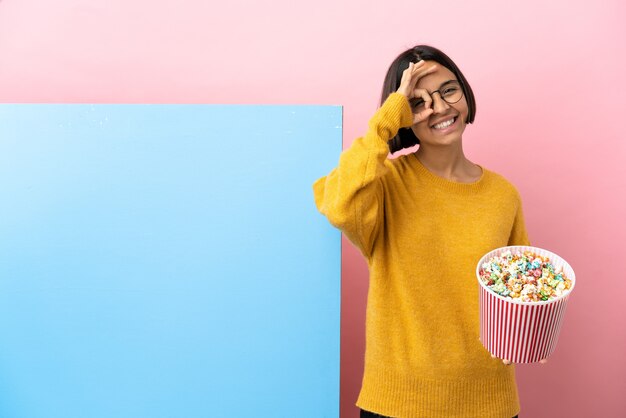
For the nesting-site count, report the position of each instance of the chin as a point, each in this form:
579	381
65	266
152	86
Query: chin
442	141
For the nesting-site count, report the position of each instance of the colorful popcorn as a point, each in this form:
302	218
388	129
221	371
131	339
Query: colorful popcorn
526	277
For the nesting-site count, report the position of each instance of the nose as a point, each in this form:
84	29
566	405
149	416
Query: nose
439	105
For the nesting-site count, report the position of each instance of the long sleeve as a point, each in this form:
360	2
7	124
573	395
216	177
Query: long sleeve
351	195
519	236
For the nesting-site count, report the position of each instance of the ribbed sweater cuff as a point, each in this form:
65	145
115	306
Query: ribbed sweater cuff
397	106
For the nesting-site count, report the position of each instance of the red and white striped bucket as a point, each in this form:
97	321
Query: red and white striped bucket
522	332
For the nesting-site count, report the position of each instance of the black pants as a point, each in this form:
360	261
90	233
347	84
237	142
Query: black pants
368	414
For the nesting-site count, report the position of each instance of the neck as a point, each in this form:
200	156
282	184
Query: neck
448	161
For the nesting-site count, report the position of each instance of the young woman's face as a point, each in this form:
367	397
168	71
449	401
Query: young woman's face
444	85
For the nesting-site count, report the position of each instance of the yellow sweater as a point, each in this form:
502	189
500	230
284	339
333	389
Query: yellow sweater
422	236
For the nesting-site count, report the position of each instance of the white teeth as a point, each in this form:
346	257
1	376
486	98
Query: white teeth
444	124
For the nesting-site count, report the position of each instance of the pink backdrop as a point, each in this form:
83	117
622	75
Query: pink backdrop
548	78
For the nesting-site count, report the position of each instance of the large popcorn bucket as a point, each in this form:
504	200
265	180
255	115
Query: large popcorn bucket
522	332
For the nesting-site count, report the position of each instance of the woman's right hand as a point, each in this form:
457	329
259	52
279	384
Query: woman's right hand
409	80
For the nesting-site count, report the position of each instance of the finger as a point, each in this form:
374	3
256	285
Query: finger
493	356
419	72
416	71
431	68
507	362
407	82
418	64
424	95
406	74
422	112
412	68
543	361
421	116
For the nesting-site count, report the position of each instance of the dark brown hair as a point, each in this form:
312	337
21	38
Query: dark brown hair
406	138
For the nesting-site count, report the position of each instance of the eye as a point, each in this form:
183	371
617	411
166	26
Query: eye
416	103
450	90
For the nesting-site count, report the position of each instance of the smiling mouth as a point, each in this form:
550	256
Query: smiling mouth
444	124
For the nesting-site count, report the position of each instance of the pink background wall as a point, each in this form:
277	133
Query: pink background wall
549	83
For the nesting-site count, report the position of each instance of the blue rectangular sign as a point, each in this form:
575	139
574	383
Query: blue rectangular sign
167	261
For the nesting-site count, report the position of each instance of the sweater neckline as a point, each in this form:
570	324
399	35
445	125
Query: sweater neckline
451	185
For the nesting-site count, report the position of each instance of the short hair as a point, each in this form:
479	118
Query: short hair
405	137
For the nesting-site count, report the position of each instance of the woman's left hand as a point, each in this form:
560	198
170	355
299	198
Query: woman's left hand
508	362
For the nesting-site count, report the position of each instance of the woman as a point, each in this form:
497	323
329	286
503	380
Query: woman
423	220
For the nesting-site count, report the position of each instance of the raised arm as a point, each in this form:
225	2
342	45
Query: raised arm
351	195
